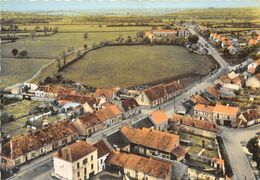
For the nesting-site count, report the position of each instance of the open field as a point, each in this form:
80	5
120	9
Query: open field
87	28
126	66
18	70
52	46
222	15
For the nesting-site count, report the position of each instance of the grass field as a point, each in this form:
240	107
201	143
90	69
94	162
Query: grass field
126	66
219	15
18	70
52	46
87	28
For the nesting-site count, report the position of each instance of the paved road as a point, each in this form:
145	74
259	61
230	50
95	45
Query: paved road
238	160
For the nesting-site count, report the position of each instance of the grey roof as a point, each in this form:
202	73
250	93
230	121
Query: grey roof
118	139
146	122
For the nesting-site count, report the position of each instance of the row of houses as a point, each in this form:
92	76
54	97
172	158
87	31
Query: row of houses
166	32
156	95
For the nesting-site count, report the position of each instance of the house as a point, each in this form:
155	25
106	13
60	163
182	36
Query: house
252	67
160	120
76	161
164	32
158	94
25	147
232	81
248	118
199	99
138	167
88	124
213	93
118	141
88	103
254	41
233	49
130	107
226	43
52	91
72	109
110	114
220	114
203	112
195	126
102	154
254	81
150	142
149	35
105	93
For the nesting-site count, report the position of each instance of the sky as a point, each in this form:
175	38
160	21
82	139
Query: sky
56	5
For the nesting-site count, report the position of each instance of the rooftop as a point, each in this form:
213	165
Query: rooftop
110	111
226	109
150	166
146	122
204	108
33	141
89	120
189	121
129	104
75	151
102	148
82	99
159	116
108	93
151	138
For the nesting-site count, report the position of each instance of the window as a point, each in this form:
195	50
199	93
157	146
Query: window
85	161
91	157
78	173
33	155
128	174
17	162
163	156
85	171
3	160
78	165
92	166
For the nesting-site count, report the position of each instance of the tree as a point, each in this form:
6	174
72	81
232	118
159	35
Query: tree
252	146
85	46
85	35
23	54
55	29
140	34
14	52
63	55
45	30
193	39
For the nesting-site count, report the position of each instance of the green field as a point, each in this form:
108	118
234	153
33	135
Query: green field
87	28
18	70
52	46
126	66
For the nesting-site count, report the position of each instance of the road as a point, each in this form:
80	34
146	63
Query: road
238	160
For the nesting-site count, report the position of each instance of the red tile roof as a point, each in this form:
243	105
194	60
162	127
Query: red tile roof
108	93
75	151
110	111
129	104
28	142
82	99
159	117
151	138
189	121
150	166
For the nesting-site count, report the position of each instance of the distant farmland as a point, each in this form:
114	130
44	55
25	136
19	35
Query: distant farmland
126	66
52	46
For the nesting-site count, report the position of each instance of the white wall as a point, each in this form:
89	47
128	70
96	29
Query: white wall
62	168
